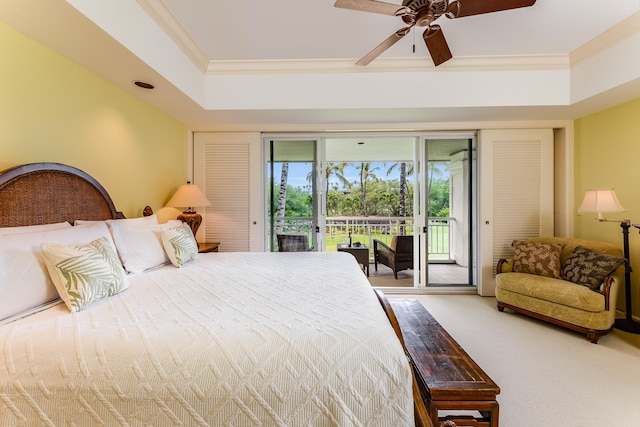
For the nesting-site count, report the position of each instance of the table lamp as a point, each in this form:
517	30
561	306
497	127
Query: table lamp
189	196
606	201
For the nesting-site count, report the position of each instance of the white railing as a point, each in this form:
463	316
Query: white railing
365	229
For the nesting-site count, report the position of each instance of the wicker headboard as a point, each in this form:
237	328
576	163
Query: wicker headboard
46	193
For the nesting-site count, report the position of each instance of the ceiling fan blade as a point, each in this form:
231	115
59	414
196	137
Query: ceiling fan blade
386	44
478	7
374	7
437	45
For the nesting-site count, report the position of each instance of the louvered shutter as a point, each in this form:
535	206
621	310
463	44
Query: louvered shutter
516	193
226	167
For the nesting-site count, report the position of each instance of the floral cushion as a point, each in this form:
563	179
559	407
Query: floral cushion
589	268
542	259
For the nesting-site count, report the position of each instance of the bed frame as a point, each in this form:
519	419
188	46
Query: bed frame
47	193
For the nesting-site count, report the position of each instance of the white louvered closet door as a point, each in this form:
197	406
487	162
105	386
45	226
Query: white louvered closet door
516	194
227	167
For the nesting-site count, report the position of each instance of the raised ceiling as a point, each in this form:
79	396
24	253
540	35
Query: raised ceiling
289	64
315	29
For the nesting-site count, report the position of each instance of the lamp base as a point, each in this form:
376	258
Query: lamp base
627	325
193	220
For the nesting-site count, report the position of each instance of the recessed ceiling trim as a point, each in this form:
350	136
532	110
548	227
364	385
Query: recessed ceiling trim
624	29
306	66
160	13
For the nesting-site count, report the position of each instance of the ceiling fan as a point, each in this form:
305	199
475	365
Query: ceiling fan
422	13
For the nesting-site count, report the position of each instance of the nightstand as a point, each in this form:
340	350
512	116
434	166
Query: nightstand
208	247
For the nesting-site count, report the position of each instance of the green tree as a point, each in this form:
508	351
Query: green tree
404	173
299	202
367	174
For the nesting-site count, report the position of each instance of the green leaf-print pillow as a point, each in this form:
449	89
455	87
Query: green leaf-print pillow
179	244
83	274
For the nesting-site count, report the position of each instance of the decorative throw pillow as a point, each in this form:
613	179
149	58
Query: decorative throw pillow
179	244
83	274
589	268
542	259
25	283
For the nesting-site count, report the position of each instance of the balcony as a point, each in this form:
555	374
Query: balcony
365	229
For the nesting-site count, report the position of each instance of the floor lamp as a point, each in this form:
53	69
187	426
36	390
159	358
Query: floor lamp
606	201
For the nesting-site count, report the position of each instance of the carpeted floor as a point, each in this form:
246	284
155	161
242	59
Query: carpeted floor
549	376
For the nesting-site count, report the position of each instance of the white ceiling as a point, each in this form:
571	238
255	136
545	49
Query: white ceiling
315	29
306	33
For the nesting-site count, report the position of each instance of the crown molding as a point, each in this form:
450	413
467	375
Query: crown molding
380	65
615	34
160	13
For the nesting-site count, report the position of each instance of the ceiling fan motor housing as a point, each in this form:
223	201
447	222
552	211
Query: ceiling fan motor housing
426	11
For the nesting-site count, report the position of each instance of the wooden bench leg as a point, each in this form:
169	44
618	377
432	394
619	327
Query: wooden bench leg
489	413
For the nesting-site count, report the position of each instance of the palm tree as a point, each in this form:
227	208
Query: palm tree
434	172
282	197
366	174
337	169
404	172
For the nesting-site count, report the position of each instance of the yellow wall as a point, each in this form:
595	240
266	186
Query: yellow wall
53	110
606	156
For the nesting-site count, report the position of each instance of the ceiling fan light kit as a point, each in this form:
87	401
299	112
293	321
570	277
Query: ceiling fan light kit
422	13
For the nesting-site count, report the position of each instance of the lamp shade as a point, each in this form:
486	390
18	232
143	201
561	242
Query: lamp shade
601	201
188	196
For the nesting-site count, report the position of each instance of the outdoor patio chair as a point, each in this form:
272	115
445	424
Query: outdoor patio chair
398	255
293	243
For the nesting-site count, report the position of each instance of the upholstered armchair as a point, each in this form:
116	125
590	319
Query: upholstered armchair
398	255
293	243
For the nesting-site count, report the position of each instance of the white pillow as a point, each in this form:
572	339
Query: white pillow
179	244
84	274
138	242
31	228
87	221
24	281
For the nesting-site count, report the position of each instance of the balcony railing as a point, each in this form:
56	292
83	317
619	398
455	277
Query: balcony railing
365	229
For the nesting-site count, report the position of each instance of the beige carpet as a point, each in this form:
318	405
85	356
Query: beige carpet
549	376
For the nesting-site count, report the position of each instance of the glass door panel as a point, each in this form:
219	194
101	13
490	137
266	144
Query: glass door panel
370	201
292	203
449	182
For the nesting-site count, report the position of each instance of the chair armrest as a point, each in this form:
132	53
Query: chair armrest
605	290
382	244
504	265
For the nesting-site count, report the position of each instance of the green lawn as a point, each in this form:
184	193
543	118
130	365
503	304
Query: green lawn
332	242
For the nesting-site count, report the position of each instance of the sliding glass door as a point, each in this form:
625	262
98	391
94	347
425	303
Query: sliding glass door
399	192
450	188
292	208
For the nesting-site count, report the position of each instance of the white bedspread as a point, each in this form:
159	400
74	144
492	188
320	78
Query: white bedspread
231	339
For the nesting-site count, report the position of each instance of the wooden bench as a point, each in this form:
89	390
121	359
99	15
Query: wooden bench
448	379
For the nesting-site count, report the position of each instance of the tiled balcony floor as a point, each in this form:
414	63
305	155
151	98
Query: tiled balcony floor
439	275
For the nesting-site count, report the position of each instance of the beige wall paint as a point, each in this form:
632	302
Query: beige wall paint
53	110
606	156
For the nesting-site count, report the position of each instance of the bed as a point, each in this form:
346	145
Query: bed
226	339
